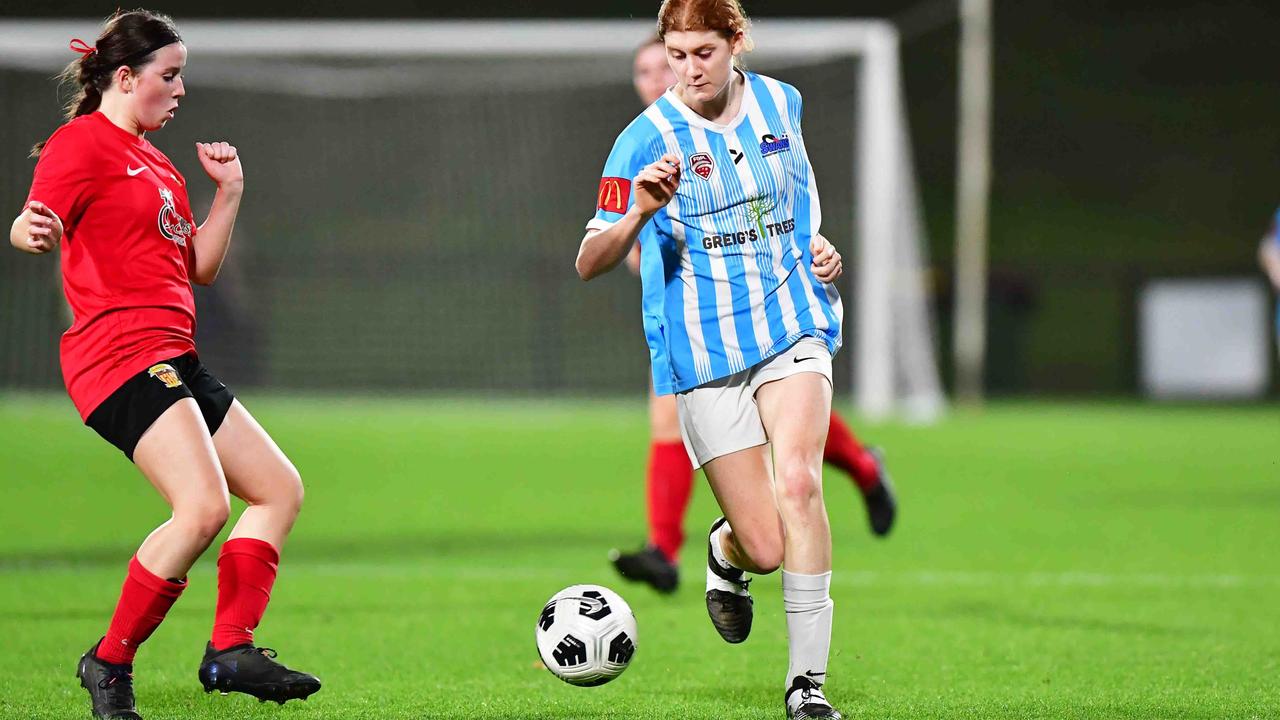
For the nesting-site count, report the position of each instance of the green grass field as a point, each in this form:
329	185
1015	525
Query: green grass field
1051	561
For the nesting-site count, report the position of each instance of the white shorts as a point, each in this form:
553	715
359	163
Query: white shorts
721	417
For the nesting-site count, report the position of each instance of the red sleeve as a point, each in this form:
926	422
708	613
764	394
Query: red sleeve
64	175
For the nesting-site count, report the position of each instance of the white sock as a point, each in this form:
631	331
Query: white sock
714	581
717	549
807	600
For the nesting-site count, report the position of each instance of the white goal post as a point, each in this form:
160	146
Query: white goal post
895	366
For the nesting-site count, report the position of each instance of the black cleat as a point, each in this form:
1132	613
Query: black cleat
882	504
728	601
647	565
810	704
110	686
253	671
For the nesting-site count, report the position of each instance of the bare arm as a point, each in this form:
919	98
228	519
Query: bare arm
222	163
36	230
602	250
1269	258
633	260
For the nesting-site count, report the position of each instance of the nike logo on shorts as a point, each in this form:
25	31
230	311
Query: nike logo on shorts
800	360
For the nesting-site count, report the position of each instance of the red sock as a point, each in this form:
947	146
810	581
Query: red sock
669	485
845	452
144	601
246	572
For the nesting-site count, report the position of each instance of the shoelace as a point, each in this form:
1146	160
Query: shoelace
270	655
807	695
120	685
728	603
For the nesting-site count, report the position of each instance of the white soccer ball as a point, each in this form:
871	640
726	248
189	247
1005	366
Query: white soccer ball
586	635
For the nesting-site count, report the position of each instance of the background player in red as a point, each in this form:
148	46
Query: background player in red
118	210
669	482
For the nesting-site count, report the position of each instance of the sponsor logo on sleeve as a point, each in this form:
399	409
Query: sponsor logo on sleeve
614	194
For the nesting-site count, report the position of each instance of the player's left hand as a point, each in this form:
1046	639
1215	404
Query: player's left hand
221	162
827	264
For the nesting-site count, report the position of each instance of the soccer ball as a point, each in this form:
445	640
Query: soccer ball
586	635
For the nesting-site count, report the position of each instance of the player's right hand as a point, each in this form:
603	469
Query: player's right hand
44	229
656	183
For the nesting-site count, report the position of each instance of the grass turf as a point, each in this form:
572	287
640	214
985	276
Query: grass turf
1051	561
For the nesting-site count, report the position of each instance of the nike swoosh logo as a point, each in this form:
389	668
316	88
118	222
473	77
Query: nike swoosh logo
134	173
800	360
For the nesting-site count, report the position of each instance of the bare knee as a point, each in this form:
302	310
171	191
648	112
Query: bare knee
799	486
284	494
293	491
203	518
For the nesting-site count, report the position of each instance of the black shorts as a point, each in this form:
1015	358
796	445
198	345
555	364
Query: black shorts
126	414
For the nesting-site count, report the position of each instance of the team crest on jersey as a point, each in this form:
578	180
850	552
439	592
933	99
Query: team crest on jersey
771	145
702	165
172	225
165	374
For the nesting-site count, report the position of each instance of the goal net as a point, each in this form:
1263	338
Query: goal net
416	191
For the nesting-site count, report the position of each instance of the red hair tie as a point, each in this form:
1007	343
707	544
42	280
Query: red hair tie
82	47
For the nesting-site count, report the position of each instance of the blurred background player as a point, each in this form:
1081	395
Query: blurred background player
119	211
1269	258
669	482
740	315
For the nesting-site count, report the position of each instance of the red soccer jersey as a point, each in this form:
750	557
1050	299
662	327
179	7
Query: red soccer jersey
126	254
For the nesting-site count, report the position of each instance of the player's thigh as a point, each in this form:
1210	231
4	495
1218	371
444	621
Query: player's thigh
257	470
742	482
177	456
796	412
793	396
664	420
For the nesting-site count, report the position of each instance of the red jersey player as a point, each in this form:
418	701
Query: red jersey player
670	476
130	249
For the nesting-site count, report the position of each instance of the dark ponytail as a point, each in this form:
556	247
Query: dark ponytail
128	39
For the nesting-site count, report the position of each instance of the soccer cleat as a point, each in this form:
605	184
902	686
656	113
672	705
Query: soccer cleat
882	504
253	671
647	565
110	686
805	701
728	601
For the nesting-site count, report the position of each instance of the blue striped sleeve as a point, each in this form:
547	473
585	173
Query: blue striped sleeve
615	195
795	105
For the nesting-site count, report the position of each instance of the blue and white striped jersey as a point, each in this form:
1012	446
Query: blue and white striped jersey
725	266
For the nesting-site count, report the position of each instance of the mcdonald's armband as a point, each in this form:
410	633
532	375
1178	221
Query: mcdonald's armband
615	194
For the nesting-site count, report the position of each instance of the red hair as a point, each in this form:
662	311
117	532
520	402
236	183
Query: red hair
725	17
